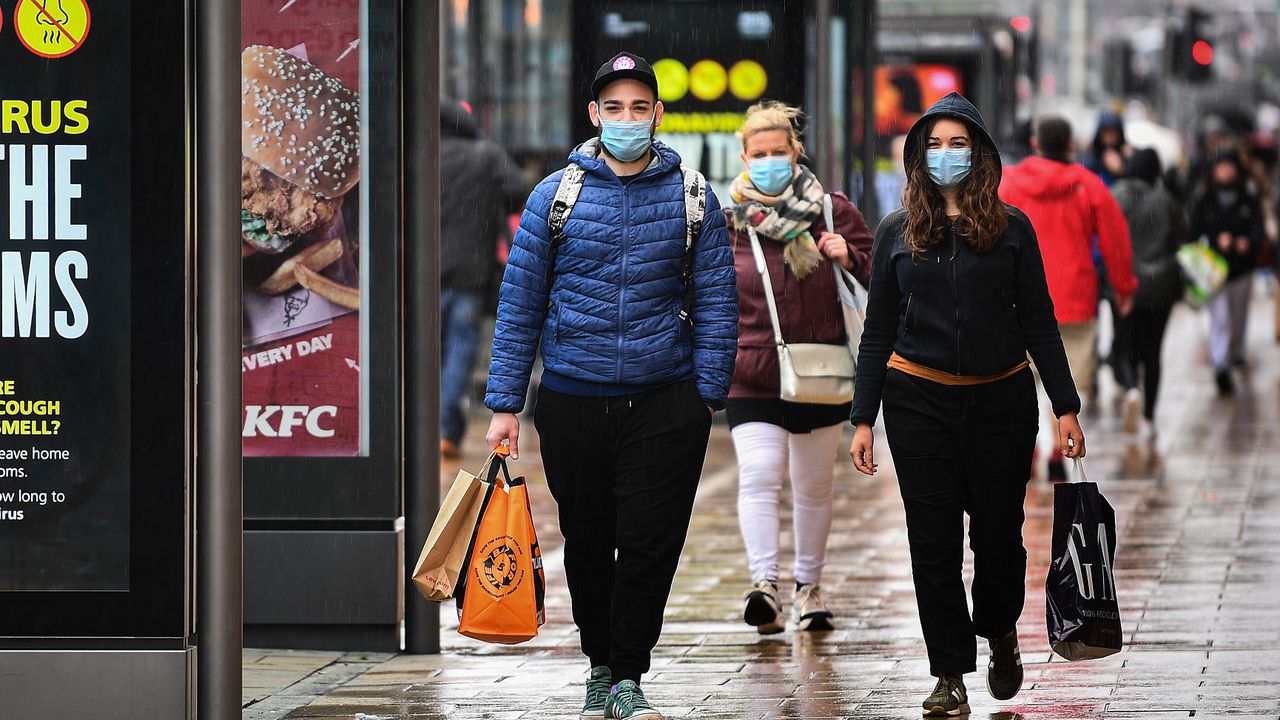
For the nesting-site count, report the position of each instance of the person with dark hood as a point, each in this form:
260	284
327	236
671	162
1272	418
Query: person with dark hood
958	298
1157	228
479	186
1109	151
1226	215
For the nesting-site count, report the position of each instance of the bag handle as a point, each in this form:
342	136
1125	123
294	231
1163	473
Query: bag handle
826	212
497	462
758	252
1079	466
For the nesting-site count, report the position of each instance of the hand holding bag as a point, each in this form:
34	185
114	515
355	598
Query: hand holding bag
436	574
1081	608
810	372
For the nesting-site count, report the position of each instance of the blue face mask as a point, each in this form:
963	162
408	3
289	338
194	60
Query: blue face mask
626	140
771	175
948	167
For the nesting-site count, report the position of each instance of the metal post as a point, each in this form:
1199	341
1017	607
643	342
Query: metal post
219	508
870	57
421	214
822	111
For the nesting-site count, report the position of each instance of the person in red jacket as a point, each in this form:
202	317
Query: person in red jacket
781	202
1069	206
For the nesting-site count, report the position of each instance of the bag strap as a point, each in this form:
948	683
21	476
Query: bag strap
758	252
497	462
1079	466
566	197
826	212
695	208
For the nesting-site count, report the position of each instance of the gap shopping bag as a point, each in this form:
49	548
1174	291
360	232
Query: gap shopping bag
442	556
500	599
1080	591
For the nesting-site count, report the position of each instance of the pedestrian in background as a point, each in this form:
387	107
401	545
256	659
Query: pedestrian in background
958	298
1069	206
479	186
1158	227
1226	215
1109	152
781	201
630	383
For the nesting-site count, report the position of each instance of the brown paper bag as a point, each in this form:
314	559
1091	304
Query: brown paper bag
436	574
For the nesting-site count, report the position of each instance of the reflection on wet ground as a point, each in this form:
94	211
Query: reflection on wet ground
1198	572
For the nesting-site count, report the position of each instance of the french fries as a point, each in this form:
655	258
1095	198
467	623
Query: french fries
347	297
316	258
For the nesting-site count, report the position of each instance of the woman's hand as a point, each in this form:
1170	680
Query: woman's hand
1070	436
834	247
861	450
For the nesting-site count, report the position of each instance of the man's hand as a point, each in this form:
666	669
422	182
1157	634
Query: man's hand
834	247
1124	305
504	426
1070	436
861	450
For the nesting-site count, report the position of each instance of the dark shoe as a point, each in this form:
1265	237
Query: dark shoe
764	609
598	686
627	702
1057	470
948	699
1225	386
1004	671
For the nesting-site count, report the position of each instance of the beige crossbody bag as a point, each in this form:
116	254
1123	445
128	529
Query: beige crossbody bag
810	372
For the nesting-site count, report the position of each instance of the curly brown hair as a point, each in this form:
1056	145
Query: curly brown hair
983	217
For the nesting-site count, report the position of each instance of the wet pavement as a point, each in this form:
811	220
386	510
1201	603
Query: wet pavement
1198	572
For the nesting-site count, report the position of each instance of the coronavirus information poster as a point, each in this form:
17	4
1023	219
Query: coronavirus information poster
66	234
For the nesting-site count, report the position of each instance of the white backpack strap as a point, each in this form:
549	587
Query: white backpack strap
695	209
566	197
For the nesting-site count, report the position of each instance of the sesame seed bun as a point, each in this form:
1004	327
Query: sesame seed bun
298	122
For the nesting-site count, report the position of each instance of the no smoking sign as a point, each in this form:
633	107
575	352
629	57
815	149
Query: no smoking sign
52	28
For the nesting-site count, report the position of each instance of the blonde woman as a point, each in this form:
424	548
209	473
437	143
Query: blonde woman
782	201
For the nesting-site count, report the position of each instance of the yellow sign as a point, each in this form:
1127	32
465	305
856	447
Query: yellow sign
707	80
673	79
52	28
747	80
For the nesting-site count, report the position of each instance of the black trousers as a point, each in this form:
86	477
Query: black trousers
1139	340
624	472
963	450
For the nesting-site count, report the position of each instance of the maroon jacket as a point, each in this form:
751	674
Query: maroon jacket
809	310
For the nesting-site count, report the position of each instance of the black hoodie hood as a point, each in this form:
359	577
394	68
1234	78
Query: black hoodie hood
456	121
953	106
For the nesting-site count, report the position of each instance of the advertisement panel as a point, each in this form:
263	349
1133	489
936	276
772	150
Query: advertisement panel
305	262
66	237
709	72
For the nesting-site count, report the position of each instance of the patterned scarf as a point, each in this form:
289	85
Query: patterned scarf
784	218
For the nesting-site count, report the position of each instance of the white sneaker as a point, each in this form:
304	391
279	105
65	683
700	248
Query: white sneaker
1132	409
809	610
764	609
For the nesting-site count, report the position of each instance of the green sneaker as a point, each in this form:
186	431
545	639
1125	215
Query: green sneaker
948	699
598	685
627	702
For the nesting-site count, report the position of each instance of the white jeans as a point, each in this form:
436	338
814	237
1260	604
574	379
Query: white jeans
763	451
1228	320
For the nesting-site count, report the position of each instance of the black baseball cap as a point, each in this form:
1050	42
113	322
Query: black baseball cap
621	66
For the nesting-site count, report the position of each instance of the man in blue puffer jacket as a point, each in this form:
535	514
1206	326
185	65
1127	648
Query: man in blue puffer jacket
625	403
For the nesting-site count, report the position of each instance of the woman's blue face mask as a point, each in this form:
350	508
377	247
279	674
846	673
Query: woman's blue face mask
948	167
771	175
626	140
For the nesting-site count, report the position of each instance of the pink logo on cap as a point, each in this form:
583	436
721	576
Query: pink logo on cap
624	63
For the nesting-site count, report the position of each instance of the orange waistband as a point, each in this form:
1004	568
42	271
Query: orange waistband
901	364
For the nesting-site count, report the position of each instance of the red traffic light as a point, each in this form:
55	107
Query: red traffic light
1021	23
1202	52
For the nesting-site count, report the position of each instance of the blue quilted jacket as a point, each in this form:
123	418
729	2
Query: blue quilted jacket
613	317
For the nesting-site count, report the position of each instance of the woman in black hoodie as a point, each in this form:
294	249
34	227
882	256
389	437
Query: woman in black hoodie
957	300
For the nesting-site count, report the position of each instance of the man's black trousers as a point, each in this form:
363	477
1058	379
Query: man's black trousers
963	450
624	471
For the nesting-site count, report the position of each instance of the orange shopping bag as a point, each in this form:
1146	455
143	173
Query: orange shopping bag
500	596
